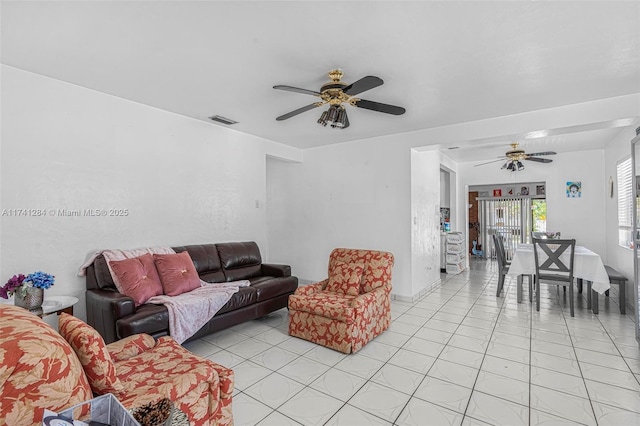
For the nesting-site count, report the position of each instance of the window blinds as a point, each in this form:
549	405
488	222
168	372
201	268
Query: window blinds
508	218
625	194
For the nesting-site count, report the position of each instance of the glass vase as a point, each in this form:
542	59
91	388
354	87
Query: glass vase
31	299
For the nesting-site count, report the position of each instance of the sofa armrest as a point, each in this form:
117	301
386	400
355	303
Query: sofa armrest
130	346
366	299
104	308
274	270
308	290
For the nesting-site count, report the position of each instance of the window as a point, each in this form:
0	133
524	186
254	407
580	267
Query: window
625	203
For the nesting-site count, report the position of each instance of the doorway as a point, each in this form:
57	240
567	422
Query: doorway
512	220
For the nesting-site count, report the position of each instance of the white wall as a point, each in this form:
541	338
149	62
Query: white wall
580	218
181	180
425	221
620	258
353	195
445	186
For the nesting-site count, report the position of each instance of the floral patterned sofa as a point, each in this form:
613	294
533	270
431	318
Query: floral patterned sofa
349	308
40	369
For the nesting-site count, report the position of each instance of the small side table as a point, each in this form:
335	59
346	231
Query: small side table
57	305
53	305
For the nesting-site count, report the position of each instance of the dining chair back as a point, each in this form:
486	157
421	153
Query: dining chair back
553	266
503	266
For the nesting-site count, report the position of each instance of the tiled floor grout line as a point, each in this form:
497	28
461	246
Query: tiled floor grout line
618	349
506	289
534	304
593	411
412	336
427	372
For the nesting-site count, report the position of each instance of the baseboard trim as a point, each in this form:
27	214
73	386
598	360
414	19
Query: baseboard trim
419	295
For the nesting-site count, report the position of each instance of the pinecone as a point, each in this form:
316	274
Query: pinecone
153	413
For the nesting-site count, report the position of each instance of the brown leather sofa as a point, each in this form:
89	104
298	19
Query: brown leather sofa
115	315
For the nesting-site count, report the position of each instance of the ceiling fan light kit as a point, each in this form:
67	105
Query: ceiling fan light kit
515	156
336	116
336	94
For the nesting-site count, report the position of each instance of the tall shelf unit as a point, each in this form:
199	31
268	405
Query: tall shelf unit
455	252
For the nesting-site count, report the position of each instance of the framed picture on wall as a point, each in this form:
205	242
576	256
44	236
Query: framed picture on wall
524	190
497	192
540	190
574	189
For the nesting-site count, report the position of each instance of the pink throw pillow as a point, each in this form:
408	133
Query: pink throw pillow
177	273
138	277
345	278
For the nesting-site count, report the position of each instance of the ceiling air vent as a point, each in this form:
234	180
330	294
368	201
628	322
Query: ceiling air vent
221	119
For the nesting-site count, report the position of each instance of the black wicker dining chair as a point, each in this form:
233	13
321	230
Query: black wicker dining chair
551	268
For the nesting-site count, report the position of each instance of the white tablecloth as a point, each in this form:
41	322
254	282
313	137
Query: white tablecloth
586	265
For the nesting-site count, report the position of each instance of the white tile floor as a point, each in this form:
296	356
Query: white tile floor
458	356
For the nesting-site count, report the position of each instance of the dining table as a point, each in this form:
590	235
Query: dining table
587	266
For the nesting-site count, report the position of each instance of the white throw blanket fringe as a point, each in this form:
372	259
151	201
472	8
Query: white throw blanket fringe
188	312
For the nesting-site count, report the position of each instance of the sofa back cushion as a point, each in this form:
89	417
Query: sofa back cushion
92	352
138	277
377	265
206	261
38	369
177	273
240	261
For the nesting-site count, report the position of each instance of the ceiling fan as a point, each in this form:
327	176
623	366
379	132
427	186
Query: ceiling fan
336	94
515	156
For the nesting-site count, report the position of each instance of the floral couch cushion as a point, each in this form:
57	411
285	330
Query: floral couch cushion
377	265
345	278
38	369
327	304
92	352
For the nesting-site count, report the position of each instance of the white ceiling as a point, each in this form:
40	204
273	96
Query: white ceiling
446	62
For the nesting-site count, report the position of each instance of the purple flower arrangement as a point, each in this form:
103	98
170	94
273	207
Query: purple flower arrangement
20	283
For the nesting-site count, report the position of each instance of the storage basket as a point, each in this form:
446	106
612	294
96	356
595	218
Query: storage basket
103	409
454	268
455	237
455	248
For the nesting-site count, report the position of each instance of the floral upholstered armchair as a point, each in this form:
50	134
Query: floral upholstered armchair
139	370
349	308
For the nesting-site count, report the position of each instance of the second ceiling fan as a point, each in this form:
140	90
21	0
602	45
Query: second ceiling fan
336	93
515	156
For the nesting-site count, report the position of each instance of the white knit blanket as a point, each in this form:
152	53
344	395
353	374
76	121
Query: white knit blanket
188	312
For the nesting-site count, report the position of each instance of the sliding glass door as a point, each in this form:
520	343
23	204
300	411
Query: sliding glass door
512	219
